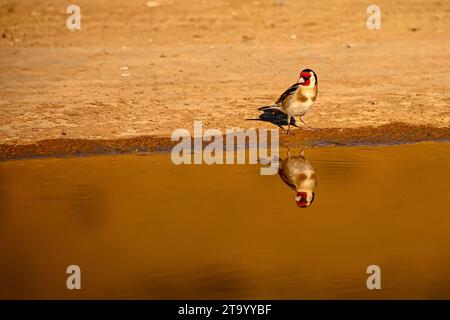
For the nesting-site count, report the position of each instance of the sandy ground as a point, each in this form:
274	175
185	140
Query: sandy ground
136	70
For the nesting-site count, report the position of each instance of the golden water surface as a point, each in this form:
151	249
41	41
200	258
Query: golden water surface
141	227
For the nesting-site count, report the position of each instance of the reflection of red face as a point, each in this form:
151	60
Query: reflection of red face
302	202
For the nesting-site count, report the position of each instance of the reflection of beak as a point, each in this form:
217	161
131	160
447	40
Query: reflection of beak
301	80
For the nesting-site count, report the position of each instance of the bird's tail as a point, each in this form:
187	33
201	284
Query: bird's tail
272	107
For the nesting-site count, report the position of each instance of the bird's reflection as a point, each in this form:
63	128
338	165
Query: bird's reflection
300	176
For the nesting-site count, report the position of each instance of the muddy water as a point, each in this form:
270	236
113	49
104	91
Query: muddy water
140	227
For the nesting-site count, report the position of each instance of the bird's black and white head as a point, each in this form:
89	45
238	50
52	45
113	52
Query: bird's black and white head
308	78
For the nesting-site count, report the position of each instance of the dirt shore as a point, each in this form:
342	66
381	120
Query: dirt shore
394	133
134	72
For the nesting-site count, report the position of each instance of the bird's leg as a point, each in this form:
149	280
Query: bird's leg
300	118
302	153
289	125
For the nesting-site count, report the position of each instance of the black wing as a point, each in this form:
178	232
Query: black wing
289	92
285	179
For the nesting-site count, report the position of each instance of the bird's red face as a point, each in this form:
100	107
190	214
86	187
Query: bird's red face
305	78
304	199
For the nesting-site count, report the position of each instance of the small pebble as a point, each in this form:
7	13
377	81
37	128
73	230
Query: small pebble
152	4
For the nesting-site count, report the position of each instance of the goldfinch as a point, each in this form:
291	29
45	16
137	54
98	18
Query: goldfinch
300	176
299	98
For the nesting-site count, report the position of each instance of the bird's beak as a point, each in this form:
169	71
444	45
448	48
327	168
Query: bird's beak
301	80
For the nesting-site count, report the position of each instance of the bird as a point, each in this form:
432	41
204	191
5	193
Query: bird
298	98
299	175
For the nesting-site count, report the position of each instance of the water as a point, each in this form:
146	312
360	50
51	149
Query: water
140	227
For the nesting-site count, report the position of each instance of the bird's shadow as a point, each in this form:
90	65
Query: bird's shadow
275	117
